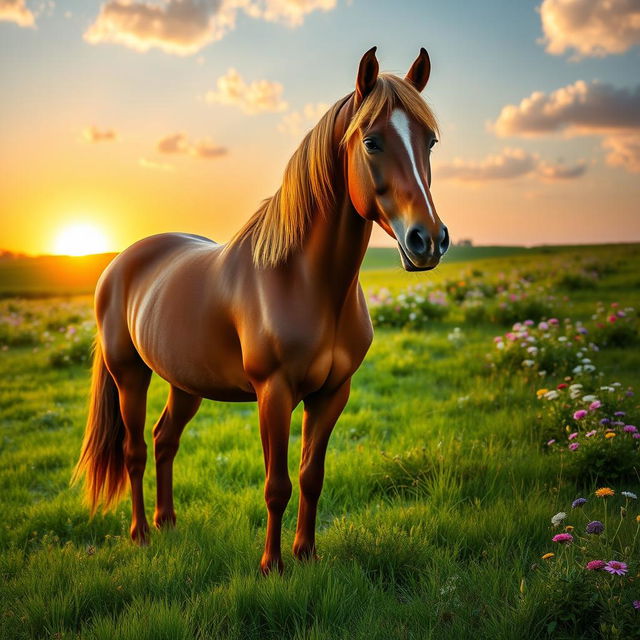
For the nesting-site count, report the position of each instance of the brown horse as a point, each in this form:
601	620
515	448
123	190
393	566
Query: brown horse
276	315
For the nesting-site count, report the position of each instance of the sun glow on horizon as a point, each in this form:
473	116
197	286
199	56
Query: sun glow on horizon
81	239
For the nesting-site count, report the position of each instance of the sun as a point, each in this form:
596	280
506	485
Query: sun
81	240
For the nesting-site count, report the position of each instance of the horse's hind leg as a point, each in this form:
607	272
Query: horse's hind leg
180	408
132	380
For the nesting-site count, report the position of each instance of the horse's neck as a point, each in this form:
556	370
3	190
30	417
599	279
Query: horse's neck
335	247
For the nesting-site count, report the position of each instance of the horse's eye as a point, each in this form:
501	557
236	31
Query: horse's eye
433	143
371	145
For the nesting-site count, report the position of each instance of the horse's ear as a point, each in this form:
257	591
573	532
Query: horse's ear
418	75
367	75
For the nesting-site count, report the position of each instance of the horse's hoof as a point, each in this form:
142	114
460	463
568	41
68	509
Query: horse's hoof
164	520
271	563
305	552
140	534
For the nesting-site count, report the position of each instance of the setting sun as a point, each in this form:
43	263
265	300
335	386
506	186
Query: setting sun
81	240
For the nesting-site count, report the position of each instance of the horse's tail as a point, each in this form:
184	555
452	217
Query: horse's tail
102	457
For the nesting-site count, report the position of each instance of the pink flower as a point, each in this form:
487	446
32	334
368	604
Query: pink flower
595	565
616	568
565	538
591	433
574	445
578	415
612	319
629	428
573	435
596	404
554	321
550	442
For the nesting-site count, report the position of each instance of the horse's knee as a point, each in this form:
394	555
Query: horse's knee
311	478
277	492
135	457
165	447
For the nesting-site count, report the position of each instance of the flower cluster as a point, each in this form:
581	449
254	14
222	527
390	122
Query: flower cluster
415	308
550	347
61	329
615	326
598	429
596	555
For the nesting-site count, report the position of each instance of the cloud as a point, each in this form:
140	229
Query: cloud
16	11
296	123
577	109
92	135
591	28
556	172
152	164
178	144
624	151
183	27
254	97
507	165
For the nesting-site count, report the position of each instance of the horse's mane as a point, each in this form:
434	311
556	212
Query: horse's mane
279	224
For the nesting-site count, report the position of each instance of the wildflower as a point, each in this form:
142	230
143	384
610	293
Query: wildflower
550	442
528	363
605	421
578	502
610	434
595	526
541	392
573	435
638	519
629	428
591	433
616	568
619	414
578	415
604	492
559	518
595	565
574	445
596	404
562	385
563	538
589	397
569	528
636	604
629	494
551	395
546	556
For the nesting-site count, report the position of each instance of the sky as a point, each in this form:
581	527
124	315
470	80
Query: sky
138	117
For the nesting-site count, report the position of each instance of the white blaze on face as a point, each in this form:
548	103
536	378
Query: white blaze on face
400	122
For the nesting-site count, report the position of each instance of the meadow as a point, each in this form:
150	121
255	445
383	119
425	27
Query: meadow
498	391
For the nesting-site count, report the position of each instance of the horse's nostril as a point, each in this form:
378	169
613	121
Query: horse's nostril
418	241
444	240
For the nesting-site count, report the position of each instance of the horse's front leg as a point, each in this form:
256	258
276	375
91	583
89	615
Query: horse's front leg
321	412
275	404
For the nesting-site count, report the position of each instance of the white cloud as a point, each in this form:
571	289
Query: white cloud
183	27
591	28
254	97
624	151
179	144
507	165
296	123
92	134
152	164
16	11
577	109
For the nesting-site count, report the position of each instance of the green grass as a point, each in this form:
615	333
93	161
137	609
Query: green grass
432	522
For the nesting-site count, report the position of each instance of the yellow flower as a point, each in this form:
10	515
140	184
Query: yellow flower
638	518
604	492
541	392
546	556
610	435
569	528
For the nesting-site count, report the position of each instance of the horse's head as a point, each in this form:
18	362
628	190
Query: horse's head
388	146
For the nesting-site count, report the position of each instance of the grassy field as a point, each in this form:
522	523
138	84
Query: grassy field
439	488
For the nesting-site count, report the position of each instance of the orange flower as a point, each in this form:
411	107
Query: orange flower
604	492
569	528
610	435
546	556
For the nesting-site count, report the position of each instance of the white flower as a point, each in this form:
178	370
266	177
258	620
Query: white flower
532	350
528	363
585	360
499	345
542	374
412	316
551	395
562	338
589	368
577	369
629	494
575	386
558	519
589	398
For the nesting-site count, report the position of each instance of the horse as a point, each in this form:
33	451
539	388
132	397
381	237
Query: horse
276	315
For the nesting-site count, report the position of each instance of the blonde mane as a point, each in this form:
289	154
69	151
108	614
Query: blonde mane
280	223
